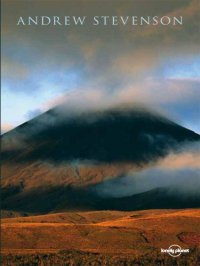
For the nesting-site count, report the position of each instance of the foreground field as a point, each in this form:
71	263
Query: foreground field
80	258
101	238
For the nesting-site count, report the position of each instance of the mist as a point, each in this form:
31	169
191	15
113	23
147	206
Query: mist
178	172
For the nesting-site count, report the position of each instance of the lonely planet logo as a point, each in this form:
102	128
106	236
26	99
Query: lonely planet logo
175	250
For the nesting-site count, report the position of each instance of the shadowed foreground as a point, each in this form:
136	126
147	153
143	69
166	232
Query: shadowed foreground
78	258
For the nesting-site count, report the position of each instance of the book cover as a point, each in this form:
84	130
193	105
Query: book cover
100	144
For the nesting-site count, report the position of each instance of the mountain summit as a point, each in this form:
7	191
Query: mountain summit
113	135
58	156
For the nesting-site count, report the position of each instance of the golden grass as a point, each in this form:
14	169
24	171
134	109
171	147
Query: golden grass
102	231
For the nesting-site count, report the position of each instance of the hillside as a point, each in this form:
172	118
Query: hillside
53	162
112	238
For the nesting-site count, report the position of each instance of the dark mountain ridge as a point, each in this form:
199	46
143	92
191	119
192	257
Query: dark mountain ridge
113	135
52	162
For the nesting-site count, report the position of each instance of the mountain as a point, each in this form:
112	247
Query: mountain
114	135
53	161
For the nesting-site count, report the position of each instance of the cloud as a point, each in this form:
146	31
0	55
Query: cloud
33	113
187	157
99	51
5	127
175	98
123	62
13	69
179	172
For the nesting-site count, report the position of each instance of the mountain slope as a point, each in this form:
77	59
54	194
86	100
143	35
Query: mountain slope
53	161
113	135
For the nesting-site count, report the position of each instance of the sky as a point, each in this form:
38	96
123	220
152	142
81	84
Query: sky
86	65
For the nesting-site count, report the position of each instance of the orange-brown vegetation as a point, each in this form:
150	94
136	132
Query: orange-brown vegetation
80	175
104	232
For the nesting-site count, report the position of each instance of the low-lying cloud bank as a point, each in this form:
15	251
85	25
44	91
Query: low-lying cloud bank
179	172
175	98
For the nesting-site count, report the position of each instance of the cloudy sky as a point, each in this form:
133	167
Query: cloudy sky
154	65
